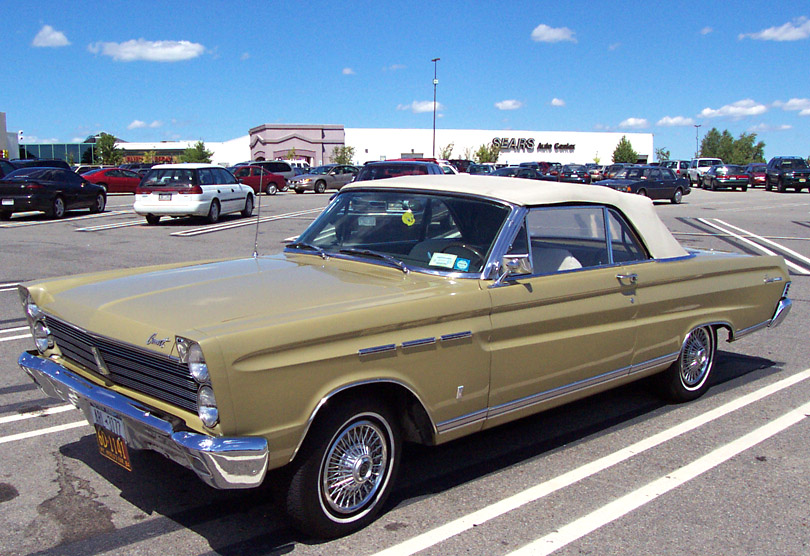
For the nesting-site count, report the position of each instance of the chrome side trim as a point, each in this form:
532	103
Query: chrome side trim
751	329
220	462
528	401
376	349
417	343
456	336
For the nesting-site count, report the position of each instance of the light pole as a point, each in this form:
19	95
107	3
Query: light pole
697	126
435	82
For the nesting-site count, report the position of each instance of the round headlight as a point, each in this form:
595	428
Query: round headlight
207	407
42	337
197	365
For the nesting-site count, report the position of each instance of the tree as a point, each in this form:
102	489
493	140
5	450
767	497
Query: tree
197	153
106	151
732	151
487	153
446	153
342	155
662	153
596	158
291	154
624	152
149	156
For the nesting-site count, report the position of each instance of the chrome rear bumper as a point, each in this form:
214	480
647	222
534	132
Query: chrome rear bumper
224	463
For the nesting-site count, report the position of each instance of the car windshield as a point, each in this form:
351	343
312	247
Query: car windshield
421	231
173	177
574	168
794	163
708	162
320	170
734	169
508	171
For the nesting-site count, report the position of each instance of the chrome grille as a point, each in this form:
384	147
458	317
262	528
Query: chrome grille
162	377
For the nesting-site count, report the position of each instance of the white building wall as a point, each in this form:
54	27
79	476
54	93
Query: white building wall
552	146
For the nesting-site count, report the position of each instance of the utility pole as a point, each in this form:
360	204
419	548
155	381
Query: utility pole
435	82
697	126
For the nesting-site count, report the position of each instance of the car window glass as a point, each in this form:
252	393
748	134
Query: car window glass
242	172
221	175
206	177
567	238
624	243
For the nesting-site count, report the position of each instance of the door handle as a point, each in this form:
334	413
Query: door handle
631	278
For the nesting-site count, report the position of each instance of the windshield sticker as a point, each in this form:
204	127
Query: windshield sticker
408	218
368	221
444	260
462	265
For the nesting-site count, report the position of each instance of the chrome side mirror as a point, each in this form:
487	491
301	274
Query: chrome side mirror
513	265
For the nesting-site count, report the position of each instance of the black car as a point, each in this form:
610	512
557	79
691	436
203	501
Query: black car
53	191
393	168
526	172
571	173
39	163
722	176
787	171
651	181
6	167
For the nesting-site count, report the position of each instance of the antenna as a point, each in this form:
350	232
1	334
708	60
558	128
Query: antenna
259	215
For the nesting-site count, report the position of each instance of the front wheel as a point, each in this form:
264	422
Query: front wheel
677	196
687	378
248	210
780	186
345	469
320	187
99	204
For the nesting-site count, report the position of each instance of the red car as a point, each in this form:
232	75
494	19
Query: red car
756	174
114	180
260	179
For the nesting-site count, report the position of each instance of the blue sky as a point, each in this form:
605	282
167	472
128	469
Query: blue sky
152	71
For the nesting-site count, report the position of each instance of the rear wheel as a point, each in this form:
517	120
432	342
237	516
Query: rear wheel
57	208
687	378
213	212
299	190
345	470
152	219
643	192
271	189
5	215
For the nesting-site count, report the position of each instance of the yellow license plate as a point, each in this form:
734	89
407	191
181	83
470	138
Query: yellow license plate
110	437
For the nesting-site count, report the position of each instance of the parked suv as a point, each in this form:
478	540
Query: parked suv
698	167
679	167
280	167
787	171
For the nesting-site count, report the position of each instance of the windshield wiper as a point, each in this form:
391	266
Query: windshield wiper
308	247
376	254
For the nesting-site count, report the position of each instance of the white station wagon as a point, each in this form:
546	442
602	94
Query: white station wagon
191	190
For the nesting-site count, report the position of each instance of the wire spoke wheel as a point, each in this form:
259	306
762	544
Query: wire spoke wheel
354	467
696	358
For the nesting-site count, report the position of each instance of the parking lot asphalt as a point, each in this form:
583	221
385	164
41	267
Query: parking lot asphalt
617	473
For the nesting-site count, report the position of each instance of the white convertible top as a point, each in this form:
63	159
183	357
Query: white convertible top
531	193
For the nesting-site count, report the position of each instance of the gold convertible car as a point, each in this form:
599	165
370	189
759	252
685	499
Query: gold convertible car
417	309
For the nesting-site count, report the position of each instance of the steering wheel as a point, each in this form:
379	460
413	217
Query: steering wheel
463	246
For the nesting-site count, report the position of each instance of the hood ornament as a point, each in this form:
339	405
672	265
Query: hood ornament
154	341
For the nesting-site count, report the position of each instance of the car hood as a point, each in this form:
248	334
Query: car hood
214	298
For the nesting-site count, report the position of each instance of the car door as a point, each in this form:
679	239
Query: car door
232	193
72	188
567	326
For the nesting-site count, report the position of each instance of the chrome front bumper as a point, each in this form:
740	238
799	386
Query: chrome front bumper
224	463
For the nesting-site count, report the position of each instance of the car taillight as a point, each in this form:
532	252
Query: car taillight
195	190
34	186
142	191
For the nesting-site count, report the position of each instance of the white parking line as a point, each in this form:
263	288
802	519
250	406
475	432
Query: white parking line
620	507
41	432
110	226
768	241
241	223
39	413
797	268
464	523
9	338
68	219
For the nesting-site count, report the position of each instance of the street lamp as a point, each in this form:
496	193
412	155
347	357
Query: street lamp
696	139
435	82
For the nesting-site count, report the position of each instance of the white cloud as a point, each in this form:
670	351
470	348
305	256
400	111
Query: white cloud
544	33
421	106
614	46
763	127
508	105
394	67
48	36
668	121
796	30
245	56
150	51
706	30
737	110
800	105
348	71
634	123
138	124
557	102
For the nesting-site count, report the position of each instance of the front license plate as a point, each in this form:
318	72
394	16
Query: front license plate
8	202
164	197
110	435
802	180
